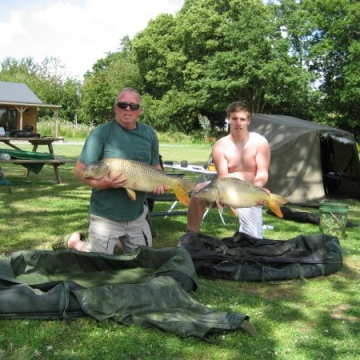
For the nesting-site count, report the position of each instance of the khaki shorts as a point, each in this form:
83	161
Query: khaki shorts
105	233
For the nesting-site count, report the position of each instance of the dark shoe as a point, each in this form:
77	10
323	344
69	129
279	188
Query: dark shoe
62	242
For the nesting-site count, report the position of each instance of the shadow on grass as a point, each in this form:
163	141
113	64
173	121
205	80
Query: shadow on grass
311	319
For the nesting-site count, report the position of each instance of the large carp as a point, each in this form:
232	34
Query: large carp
236	193
139	177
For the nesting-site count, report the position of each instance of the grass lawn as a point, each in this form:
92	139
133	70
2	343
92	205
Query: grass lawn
313	319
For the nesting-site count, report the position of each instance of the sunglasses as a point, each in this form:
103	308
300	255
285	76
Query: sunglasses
124	105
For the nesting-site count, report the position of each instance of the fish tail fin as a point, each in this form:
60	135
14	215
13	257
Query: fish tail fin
182	195
280	200
187	185
274	202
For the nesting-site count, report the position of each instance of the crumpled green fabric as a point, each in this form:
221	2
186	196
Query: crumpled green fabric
150	287
159	302
28	155
244	258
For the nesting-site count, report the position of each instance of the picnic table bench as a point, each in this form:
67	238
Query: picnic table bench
37	159
54	162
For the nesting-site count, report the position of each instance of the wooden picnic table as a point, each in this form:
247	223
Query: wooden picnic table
13	142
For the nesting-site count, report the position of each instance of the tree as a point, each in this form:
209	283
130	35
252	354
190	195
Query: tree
216	53
47	80
101	86
158	56
334	50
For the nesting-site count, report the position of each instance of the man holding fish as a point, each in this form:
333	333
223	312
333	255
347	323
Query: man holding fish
242	155
117	215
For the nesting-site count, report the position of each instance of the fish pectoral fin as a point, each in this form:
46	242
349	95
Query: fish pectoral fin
233	211
219	205
131	193
182	195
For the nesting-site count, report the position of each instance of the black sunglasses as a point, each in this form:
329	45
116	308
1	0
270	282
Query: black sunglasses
124	105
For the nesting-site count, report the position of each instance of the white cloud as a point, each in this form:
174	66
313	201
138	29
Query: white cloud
10	30
77	32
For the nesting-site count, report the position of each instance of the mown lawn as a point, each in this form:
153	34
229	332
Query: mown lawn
300	319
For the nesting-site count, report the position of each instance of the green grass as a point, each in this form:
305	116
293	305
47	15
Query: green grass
312	319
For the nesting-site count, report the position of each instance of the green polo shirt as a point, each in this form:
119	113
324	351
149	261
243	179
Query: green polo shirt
111	140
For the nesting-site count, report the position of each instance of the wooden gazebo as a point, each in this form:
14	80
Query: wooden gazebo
19	107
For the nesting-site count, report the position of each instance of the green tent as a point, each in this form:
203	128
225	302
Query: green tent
309	161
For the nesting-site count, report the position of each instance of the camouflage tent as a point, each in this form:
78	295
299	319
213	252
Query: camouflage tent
309	161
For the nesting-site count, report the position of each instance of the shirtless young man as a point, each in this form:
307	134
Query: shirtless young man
241	154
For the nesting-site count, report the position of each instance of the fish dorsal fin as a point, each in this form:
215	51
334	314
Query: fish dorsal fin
131	193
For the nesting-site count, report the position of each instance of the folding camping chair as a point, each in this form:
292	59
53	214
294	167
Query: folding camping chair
151	198
220	214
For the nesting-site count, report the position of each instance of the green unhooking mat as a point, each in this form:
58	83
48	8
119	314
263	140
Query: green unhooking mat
244	258
28	155
150	287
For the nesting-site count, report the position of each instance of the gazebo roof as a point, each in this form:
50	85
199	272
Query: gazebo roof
18	94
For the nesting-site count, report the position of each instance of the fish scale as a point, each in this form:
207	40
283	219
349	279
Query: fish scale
236	193
140	177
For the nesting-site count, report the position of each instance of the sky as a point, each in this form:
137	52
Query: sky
77	32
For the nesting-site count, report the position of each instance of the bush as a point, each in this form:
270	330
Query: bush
66	129
69	130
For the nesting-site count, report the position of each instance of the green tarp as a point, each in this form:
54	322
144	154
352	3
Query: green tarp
150	287
244	258
28	155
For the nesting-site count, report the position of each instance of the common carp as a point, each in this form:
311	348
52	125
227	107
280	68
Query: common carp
236	193
139	177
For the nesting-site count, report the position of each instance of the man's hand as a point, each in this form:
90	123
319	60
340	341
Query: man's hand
160	190
263	202
116	181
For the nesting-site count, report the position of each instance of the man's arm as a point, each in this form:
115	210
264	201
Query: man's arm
157	167
104	183
161	189
262	161
79	167
219	160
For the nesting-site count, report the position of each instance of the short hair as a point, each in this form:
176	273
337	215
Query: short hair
238	106
128	89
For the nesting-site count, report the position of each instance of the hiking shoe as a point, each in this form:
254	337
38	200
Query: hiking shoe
62	242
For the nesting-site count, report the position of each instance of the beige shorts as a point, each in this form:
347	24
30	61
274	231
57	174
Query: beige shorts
105	233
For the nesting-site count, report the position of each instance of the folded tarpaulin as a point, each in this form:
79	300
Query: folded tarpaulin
150	287
28	155
243	258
